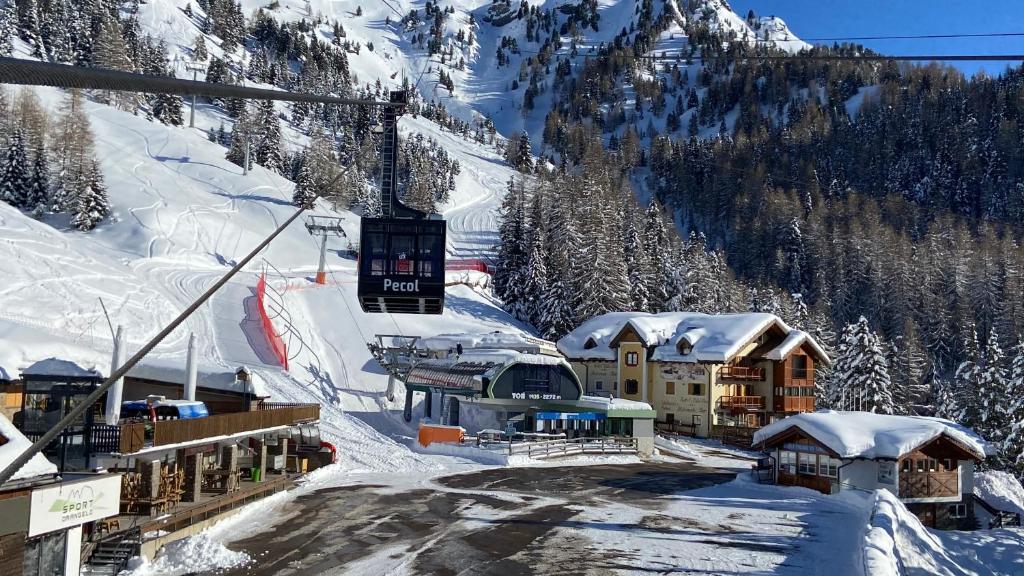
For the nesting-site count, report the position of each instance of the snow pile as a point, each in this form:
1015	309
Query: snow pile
1001	490
491	340
16	445
189	555
870	435
710	337
880	554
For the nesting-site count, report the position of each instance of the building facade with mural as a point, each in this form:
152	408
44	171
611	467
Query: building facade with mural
700	372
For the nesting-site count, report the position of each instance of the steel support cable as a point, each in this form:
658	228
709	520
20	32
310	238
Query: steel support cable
32	73
85	405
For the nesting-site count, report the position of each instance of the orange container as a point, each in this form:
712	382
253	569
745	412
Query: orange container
433	433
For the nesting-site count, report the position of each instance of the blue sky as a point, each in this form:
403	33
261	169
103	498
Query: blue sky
831	18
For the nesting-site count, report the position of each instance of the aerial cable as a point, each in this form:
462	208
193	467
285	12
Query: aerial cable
915	37
33	73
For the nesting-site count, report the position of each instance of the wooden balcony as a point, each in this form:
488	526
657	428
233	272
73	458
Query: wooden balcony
749	373
131	437
741	403
794	404
935	484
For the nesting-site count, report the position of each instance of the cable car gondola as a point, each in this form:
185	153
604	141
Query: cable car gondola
401	253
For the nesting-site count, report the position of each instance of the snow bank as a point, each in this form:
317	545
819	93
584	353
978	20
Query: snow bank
880	552
197	553
15	446
1001	490
869	435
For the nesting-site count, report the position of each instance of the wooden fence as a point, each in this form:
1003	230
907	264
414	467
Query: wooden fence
741	436
132	437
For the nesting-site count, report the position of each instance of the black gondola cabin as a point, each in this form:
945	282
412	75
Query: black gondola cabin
401	265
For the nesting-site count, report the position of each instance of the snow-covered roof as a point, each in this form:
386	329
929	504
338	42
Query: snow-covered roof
209	376
60	368
714	338
869	435
620	407
488	340
16	445
794	339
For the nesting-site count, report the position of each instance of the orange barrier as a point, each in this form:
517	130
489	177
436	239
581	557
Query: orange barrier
433	433
276	343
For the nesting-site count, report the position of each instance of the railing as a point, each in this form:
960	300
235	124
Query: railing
555	448
741	436
741	402
741	373
929	484
134	436
795	404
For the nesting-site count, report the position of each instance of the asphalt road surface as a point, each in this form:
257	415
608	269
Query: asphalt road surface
503	522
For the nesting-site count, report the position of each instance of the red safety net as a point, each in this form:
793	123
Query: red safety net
276	343
478	265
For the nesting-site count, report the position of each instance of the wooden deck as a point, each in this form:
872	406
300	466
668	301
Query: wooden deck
209	505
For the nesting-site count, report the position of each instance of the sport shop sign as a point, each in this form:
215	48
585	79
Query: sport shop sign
70	504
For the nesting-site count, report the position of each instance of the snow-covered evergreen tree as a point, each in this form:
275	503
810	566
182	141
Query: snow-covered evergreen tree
15	182
267	145
965	384
39	181
535	274
305	187
637	268
860	376
91	204
1011	451
512	248
992	386
199	52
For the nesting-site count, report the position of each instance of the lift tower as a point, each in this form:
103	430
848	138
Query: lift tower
324	226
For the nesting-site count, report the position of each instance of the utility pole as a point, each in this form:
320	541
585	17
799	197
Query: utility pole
324	226
195	68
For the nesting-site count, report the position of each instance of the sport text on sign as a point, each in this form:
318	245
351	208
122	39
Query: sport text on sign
70	504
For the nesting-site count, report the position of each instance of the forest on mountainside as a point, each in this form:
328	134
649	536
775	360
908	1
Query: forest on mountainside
877	205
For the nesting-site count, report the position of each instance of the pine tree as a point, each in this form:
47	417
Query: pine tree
305	187
91	204
241	138
199	52
637	268
965	384
535	274
861	372
39	181
167	108
992	392
512	247
1011	452
267	145
15	183
8	27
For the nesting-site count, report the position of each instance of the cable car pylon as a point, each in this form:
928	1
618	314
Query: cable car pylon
324	226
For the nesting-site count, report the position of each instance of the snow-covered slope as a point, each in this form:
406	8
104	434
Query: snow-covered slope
181	214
